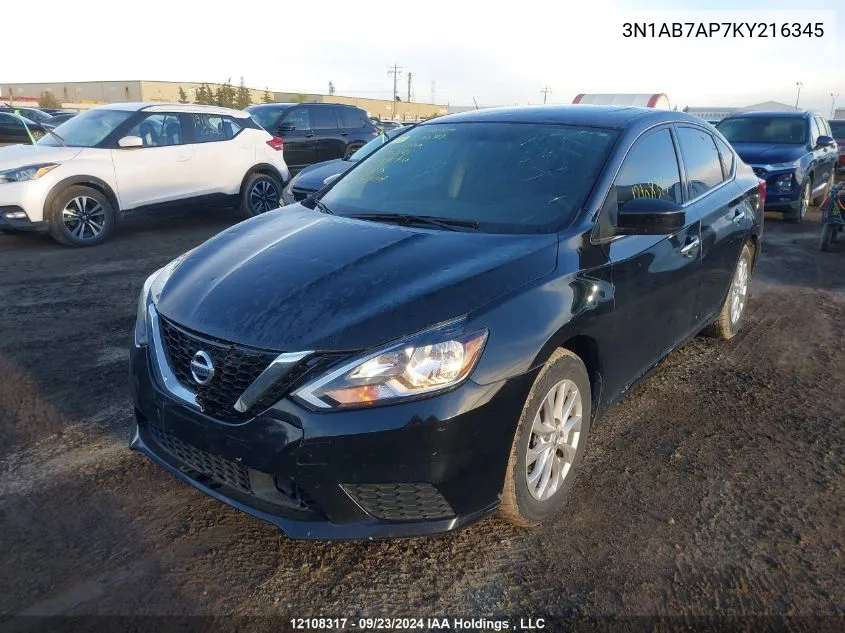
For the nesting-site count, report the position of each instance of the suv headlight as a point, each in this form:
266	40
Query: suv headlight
30	172
427	363
150	292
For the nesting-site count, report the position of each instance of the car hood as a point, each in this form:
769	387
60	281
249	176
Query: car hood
295	279
22	155
768	153
311	178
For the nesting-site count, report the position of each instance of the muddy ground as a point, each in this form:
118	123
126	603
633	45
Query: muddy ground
715	488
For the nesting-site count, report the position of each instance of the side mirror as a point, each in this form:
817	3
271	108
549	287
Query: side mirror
650	216
128	142
286	127
825	141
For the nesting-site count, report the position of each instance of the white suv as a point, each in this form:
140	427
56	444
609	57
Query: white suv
126	156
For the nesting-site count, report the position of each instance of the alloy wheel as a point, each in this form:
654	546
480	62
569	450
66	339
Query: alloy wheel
84	217
553	444
263	196
739	290
805	200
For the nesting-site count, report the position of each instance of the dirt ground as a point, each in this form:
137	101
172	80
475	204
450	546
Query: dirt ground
715	488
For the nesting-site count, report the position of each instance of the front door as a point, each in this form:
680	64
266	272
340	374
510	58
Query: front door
654	276
295	130
161	170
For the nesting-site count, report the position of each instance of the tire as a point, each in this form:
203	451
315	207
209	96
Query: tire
520	505
832	238
731	316
259	194
351	149
799	214
81	216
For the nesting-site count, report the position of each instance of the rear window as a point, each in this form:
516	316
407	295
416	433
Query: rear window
353	118
508	177
838	129
790	130
266	116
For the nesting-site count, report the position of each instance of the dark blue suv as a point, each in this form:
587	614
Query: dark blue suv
794	152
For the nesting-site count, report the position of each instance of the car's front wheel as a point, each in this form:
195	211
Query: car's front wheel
800	213
81	216
260	193
549	442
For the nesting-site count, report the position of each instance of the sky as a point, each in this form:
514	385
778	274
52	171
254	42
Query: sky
494	52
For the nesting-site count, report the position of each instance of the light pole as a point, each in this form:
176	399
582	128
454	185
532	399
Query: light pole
833	98
799	84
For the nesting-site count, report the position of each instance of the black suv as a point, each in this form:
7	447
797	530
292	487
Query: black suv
794	152
314	132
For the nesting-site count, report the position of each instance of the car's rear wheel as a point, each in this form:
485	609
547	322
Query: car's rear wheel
730	317
260	193
832	239
81	216
800	213
549	442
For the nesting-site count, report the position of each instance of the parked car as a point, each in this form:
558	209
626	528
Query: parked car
432	336
15	130
793	152
58	119
837	130
55	111
33	114
315	132
123	156
315	177
390	125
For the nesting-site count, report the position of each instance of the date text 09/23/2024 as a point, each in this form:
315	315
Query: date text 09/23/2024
722	29
421	623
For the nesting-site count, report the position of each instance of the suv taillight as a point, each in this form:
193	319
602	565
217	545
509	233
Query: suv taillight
761	192
276	143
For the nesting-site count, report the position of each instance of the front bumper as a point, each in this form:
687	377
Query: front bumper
422	467
27	197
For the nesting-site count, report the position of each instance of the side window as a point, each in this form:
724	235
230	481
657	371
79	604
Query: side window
822	125
814	132
208	128
323	118
352	118
231	127
8	123
727	157
159	130
702	162
299	118
650	170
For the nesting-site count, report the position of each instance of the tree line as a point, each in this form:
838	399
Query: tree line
226	95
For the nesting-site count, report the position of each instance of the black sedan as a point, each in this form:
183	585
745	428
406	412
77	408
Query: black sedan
16	130
315	177
430	339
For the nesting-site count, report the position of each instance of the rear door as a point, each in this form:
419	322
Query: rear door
295	130
161	170
12	130
330	138
222	153
654	276
722	209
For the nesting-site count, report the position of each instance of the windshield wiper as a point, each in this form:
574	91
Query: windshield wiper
448	224
60	139
321	206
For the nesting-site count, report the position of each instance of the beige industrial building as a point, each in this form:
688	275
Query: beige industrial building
85	94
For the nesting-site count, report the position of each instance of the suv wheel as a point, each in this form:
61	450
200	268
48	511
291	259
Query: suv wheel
799	214
260	194
729	321
351	149
81	216
832	239
549	442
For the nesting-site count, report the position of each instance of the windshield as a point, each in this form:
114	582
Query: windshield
764	130
87	129
35	115
373	145
838	129
265	116
508	177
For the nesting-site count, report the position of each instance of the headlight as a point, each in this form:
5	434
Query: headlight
784	182
30	172
790	165
427	363
150	292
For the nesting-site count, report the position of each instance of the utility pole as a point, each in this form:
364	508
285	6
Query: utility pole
799	84
409	87
833	98
394	70
546	91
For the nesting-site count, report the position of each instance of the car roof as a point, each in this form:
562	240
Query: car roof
189	108
585	115
768	114
283	105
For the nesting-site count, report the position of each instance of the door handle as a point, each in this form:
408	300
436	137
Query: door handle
739	216
690	246
309	136
344	133
183	159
